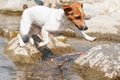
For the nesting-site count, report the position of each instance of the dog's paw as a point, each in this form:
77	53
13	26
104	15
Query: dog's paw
21	44
91	39
41	44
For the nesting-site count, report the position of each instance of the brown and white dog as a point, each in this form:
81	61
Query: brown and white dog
53	21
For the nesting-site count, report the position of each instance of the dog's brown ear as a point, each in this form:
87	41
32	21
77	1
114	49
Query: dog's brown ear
78	4
66	7
25	6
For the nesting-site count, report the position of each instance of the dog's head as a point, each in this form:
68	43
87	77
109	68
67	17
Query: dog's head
74	12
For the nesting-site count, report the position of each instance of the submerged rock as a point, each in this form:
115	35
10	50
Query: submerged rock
100	63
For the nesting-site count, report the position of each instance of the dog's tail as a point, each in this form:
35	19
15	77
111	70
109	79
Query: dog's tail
25	6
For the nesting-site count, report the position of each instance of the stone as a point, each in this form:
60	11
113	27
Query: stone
100	63
29	53
26	54
13	5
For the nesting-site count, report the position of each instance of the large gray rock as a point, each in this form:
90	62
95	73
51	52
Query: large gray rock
103	24
100	63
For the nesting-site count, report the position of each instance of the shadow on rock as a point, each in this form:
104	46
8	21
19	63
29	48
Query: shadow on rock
46	52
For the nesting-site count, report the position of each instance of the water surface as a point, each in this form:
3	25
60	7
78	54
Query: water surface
7	67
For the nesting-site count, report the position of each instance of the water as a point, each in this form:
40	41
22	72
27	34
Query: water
7	67
37	70
9	21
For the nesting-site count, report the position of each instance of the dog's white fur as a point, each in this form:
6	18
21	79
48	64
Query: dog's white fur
51	20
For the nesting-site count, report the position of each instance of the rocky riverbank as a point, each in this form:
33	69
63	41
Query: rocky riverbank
103	22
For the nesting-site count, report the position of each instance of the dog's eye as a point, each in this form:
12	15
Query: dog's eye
67	9
77	17
82	5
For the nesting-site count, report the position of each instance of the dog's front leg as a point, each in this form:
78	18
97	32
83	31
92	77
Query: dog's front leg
21	43
84	35
87	37
45	37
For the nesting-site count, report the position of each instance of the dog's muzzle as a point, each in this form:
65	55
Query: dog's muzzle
84	27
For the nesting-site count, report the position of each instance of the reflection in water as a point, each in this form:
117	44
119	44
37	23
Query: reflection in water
7	67
47	70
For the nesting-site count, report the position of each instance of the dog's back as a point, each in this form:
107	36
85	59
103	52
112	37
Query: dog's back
39	14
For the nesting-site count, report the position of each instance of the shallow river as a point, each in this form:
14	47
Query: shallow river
7	67
37	71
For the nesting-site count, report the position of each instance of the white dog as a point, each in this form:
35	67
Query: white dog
53	20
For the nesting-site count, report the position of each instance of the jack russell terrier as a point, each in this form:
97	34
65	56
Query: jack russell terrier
53	20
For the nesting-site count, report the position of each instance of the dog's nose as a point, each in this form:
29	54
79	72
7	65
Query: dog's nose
85	28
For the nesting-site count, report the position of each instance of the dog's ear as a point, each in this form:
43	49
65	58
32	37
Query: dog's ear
66	7
78	4
25	6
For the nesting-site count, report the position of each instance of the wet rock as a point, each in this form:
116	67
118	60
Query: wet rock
26	54
49	69
30	52
100	63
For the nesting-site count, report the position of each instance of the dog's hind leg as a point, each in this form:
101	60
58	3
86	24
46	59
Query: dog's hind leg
45	37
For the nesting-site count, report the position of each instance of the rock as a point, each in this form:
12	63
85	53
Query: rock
104	22
26	54
100	63
90	10
30	52
59	47
39	2
14	5
101	24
